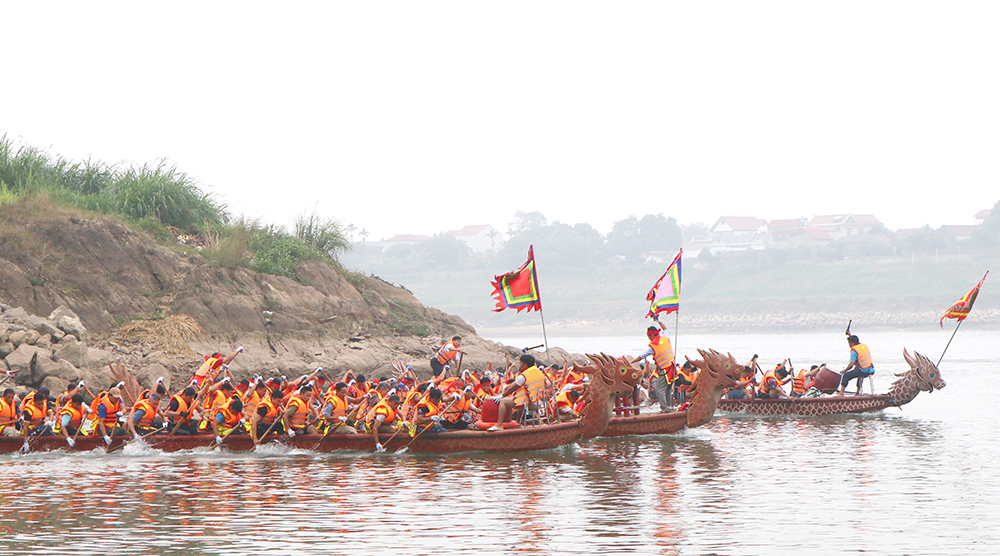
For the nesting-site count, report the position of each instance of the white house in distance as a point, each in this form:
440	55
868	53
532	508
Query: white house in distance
480	238
840	225
737	233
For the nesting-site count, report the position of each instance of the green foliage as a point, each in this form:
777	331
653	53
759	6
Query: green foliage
322	234
277	252
6	195
164	193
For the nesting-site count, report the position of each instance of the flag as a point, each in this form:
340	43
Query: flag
665	297
518	289
961	309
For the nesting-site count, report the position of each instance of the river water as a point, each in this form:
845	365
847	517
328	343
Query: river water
911	481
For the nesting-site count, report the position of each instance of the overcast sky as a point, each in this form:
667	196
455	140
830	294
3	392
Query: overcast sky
421	117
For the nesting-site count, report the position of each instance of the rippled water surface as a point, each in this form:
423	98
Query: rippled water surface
916	481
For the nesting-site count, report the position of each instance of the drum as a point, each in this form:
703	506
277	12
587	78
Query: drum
490	411
827	381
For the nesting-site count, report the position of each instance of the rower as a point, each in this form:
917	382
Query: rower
567	398
268	411
860	366
36	411
72	388
408	411
143	419
253	399
10	412
229	419
106	410
212	366
218	395
381	419
770	385
71	418
295	418
804	381
335	409
180	410
461	404
428	414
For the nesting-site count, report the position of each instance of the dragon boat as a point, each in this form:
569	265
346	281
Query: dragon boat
610	377
716	373
923	376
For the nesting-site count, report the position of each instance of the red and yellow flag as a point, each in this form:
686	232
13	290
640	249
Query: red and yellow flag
518	289
961	309
665	297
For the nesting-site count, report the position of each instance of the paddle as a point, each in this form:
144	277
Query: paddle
218	441
335	427
422	431
277	419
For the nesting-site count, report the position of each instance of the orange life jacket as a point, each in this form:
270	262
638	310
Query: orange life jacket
8	413
663	357
457	409
250	404
272	411
75	415
111	410
864	356
407	411
769	382
432	410
563	399
531	391
231	418
446	353
381	408
209	369
148	414
33	414
182	406
300	417
799	385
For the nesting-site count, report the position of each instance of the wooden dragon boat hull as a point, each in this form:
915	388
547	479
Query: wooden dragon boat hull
513	440
809	406
646	423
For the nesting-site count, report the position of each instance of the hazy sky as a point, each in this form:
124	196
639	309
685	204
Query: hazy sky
420	117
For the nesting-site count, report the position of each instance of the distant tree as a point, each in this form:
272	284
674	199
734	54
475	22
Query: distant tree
526	221
691	232
557	244
632	237
986	238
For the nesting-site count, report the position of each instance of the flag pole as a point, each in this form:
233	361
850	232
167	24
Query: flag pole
949	341
545	337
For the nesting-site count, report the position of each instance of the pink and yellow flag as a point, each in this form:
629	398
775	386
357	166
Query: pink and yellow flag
665	297
518	289
961	309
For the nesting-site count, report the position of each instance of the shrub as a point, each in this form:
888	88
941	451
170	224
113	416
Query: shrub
163	192
325	235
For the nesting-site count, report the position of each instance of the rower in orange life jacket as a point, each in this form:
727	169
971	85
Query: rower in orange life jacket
428	414
218	395
458	406
567	398
336	410
770	385
296	415
70	418
229	419
408	410
104	416
36	410
860	366
268	414
804	381
445	355
143	418
180	410
10	414
212	366
381	419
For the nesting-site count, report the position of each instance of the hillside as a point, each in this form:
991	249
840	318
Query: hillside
115	277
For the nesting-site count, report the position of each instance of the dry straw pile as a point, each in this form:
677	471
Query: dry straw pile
170	334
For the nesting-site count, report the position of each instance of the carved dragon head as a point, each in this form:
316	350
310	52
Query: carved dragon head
609	378
716	371
923	376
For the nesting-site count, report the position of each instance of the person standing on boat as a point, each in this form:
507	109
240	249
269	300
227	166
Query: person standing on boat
446	354
663	359
860	367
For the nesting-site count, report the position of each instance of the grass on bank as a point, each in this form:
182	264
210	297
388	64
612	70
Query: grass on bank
153	197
